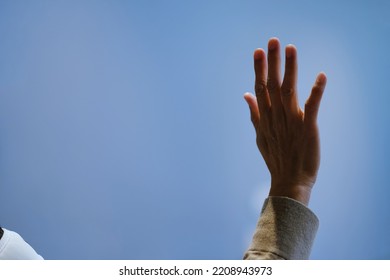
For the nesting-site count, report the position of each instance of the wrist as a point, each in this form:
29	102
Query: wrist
299	193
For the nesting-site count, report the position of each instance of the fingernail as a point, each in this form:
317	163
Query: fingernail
321	78
272	44
289	50
247	95
258	54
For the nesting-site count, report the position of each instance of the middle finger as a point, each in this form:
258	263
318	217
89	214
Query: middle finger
274	77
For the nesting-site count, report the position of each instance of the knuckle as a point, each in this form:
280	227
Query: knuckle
287	90
260	87
272	85
316	89
310	107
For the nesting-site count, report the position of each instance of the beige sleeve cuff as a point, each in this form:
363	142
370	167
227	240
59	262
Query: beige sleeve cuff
286	230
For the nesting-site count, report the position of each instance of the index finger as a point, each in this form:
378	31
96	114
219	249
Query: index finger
260	64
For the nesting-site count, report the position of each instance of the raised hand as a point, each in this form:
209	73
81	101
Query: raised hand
287	137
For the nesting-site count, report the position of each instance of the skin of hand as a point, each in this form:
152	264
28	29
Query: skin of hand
287	137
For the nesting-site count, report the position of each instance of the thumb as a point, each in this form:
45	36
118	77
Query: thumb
253	107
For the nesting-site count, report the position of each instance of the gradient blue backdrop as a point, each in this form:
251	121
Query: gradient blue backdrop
124	134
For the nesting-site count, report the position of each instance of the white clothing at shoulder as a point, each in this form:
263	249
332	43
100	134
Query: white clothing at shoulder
13	247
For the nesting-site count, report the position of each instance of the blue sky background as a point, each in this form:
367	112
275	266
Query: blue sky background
124	134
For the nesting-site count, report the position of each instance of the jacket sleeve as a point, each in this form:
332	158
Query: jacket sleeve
286	230
13	247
